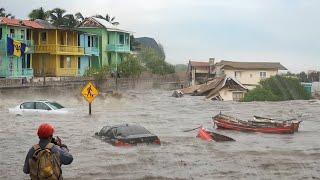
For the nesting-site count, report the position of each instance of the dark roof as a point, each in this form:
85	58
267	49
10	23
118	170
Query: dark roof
45	24
210	85
251	65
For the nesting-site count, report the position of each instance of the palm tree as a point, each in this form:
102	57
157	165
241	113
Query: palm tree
108	18
79	16
38	14
56	16
4	14
70	21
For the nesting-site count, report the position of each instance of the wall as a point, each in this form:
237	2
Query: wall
250	77
227	94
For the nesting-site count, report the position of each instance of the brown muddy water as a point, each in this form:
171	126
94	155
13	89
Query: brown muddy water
181	155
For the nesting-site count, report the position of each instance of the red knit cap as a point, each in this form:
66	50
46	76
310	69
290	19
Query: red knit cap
45	130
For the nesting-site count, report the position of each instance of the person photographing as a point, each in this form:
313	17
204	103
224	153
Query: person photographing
44	159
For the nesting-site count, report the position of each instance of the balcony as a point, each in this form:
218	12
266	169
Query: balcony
91	51
16	73
27	72
67	71
118	48
59	49
29	43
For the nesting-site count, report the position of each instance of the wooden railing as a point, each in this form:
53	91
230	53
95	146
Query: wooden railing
59	49
67	71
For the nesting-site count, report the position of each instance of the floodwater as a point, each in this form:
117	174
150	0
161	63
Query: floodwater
181	155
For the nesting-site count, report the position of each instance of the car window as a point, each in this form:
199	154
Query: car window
55	105
42	106
27	105
131	130
104	130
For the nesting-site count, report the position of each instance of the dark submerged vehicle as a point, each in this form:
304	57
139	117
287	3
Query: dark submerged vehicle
127	135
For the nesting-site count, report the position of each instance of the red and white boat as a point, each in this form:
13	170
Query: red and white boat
227	122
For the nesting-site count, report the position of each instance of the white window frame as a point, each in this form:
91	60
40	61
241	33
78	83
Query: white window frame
263	74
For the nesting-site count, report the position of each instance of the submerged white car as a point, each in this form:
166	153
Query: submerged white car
39	107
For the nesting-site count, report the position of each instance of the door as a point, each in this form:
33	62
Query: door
28	108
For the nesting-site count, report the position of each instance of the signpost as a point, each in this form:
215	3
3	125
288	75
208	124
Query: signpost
89	92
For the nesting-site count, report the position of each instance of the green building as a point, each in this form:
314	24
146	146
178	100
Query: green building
14	66
114	43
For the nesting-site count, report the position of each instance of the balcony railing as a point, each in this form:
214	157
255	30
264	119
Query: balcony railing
27	72
59	49
16	73
67	71
91	51
29	43
118	48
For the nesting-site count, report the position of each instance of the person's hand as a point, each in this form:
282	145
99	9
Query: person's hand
58	140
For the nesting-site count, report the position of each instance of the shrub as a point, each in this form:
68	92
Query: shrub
260	94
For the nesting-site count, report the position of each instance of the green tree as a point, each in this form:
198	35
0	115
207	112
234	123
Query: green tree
39	13
70	21
108	18
282	87
79	16
56	16
131	67
4	14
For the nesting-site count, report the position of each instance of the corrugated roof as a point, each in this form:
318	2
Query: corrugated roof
109	26
45	24
32	24
11	22
251	65
199	64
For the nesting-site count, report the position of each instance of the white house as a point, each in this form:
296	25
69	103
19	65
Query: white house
247	73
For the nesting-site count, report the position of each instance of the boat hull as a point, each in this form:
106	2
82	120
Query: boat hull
223	123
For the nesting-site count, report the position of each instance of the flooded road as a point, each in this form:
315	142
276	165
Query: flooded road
181	155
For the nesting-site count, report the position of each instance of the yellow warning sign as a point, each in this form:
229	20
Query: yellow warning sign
89	92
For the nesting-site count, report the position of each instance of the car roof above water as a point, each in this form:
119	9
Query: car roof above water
128	129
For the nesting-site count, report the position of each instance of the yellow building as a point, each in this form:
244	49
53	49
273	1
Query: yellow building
56	50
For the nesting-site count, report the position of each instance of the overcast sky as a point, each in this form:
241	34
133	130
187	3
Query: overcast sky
286	31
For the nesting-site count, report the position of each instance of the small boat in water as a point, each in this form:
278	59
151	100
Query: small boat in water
209	135
227	122
277	122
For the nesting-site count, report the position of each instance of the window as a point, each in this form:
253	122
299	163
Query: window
68	62
127	39
250	75
109	59
55	105
0	33
22	35
28	61
79	63
237	74
61	62
89	41
27	105
121	38
43	37
237	96
42	106
78	39
108	38
11	32
263	75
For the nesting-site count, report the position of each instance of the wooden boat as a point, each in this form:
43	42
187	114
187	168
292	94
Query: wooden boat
265	120
209	135
227	122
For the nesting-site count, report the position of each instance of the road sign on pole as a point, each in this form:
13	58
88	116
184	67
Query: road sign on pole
89	92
